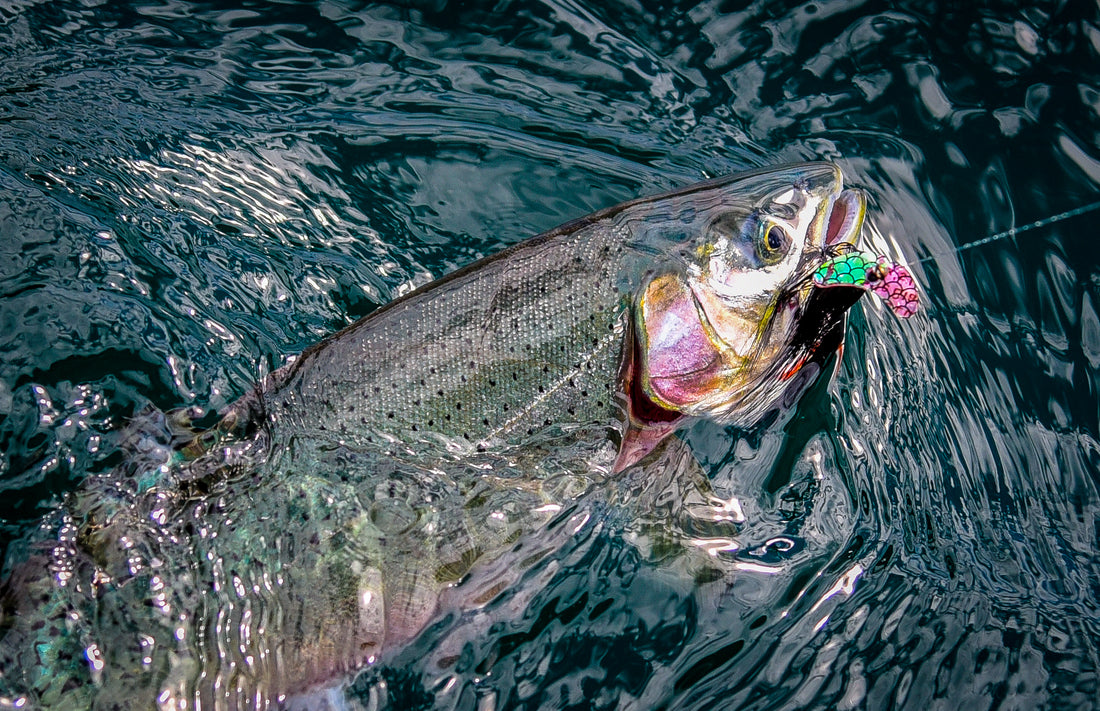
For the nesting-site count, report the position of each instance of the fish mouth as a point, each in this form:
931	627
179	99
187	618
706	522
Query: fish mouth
819	330
844	218
843	223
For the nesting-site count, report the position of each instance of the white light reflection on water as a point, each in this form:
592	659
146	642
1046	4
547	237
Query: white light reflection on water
171	177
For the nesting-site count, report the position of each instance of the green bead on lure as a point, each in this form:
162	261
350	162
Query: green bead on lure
890	281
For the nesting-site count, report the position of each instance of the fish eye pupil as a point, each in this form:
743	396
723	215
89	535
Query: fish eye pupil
774	238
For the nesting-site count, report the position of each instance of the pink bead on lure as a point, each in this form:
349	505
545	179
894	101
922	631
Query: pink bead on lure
890	281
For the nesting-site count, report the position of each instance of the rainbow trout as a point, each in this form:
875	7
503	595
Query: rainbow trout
349	499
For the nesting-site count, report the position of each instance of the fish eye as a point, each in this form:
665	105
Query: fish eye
772	243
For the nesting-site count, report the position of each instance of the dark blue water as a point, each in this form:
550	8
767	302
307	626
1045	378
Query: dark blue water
191	193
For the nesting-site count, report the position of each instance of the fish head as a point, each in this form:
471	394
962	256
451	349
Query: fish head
722	326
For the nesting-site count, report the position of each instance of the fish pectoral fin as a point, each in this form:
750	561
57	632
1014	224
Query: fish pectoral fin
640	440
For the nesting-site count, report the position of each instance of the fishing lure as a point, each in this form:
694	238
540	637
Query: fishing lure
890	281
894	283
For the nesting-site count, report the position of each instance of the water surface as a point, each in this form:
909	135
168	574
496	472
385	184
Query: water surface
191	193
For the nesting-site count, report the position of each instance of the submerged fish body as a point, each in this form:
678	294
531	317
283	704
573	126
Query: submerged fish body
320	522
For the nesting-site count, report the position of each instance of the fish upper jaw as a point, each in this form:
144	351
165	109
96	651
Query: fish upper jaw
844	217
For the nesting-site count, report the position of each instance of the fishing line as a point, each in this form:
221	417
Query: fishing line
1068	214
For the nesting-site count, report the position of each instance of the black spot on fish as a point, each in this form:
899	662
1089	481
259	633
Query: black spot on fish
377	389
472	366
416	402
465	436
431	370
542	389
439	392
422	382
389	415
351	408
505	407
485	421
447	418
458	405
492	383
415	428
431	423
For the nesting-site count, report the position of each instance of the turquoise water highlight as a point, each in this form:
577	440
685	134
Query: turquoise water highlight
191	193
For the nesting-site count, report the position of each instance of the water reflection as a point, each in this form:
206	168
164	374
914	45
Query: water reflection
192	193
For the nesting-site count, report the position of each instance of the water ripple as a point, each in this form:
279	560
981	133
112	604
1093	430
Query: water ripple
190	193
